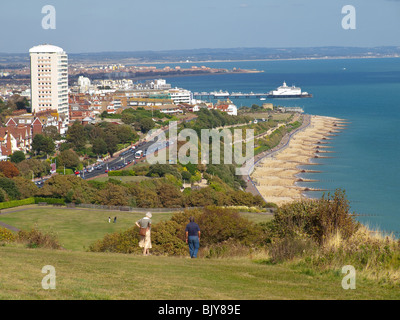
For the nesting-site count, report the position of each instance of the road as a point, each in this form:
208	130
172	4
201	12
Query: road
122	160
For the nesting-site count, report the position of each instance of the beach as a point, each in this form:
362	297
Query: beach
275	175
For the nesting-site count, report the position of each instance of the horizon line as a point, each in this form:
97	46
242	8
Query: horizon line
230	48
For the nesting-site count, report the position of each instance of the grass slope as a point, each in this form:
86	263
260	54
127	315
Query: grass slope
81	275
77	229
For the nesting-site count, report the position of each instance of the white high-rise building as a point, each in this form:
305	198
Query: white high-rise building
49	79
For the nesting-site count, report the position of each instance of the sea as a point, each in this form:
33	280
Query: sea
364	92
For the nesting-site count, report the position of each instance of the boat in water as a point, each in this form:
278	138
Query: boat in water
220	93
285	91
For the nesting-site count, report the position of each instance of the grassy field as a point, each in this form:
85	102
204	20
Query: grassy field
77	229
86	276
82	275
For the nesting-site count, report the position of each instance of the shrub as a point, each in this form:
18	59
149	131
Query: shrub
219	224
124	242
3	195
168	239
220	228
37	239
6	235
318	219
10	187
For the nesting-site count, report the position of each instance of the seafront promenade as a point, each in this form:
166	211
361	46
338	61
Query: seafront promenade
274	174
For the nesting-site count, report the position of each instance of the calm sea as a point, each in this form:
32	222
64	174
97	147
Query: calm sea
366	92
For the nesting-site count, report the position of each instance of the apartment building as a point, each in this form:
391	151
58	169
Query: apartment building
49	79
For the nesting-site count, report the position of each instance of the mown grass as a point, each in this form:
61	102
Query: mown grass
77	229
87	276
83	275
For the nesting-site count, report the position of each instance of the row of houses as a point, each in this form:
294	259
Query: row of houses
85	106
20	129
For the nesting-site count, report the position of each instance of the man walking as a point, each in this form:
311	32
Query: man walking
193	237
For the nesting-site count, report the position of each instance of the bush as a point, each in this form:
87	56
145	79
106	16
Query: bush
6	235
220	228
316	219
10	188
37	239
17	203
124	242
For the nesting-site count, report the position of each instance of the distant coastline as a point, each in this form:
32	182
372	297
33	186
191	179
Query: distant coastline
216	55
274	59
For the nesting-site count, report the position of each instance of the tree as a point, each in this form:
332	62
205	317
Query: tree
76	136
69	159
160	170
125	133
146	124
26	187
43	144
128	118
10	187
115	196
52	132
8	169
99	146
71	187
33	166
170	196
186	175
112	142
17	157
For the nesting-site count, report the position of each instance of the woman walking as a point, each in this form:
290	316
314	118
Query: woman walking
144	225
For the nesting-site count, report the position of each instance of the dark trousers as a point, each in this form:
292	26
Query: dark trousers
194	245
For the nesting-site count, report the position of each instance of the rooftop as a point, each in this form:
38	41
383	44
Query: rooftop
46	48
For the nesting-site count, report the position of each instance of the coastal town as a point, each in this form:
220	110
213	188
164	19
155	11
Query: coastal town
44	107
43	104
199	157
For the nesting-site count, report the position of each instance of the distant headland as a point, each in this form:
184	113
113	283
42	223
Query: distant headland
215	55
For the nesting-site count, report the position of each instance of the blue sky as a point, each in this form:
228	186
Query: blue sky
131	25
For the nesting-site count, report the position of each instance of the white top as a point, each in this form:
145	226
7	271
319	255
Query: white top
46	48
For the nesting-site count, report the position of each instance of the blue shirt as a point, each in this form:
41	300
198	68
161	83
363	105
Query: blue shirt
193	229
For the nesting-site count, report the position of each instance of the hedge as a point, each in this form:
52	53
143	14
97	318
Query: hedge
17	203
49	200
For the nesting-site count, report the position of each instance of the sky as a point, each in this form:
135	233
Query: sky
132	25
